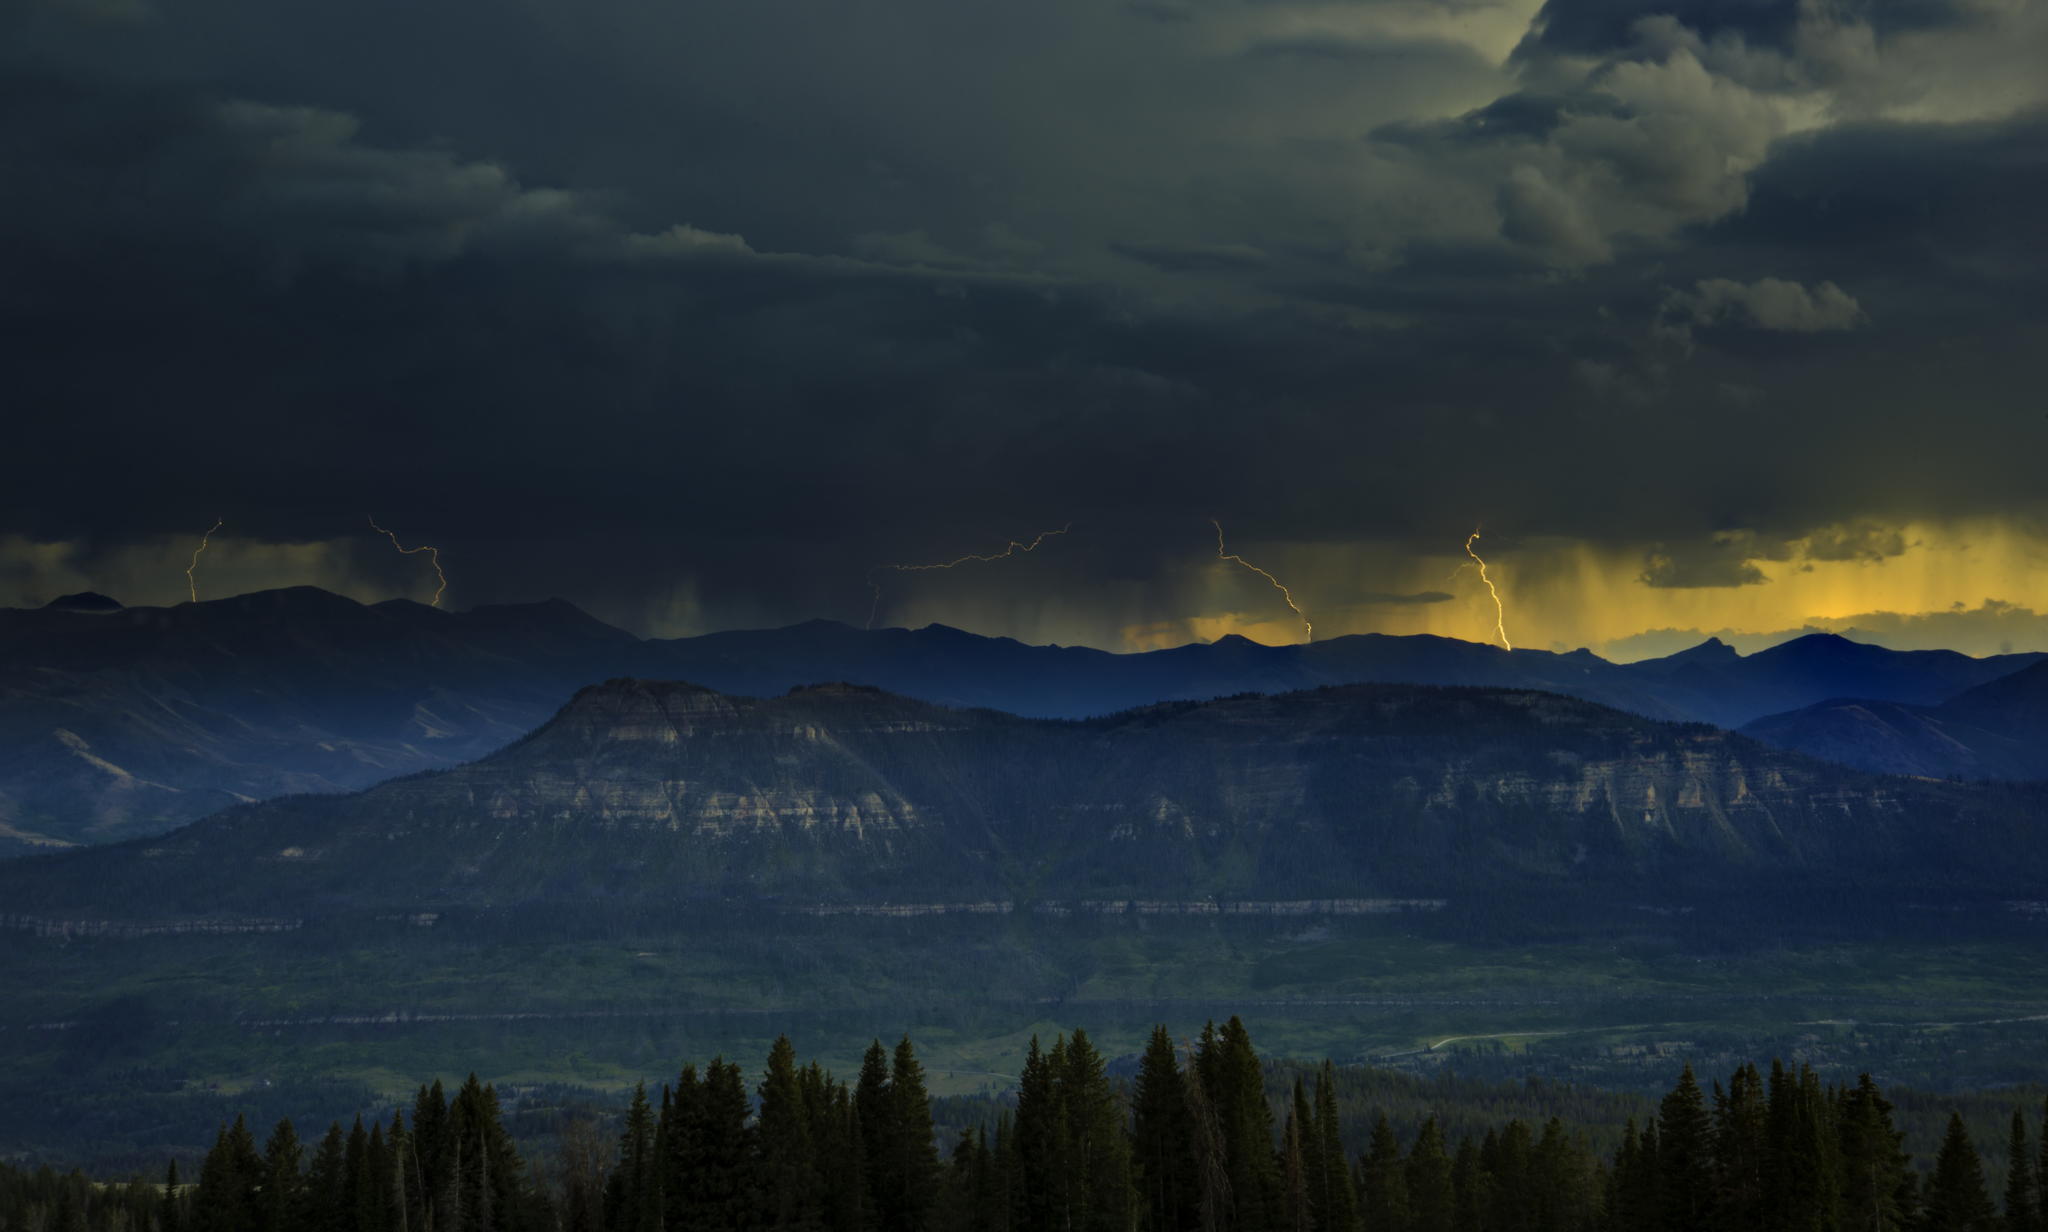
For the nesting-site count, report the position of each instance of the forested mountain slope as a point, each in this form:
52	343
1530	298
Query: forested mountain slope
1997	730
646	794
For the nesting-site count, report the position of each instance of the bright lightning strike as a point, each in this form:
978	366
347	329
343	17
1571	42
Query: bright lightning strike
1500	614
192	583
1308	630
1015	546
433	554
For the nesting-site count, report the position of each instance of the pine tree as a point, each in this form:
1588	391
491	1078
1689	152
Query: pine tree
451	1212
962	1205
720	1186
1955	1199
1508	1162
632	1196
230	1182
400	1190
1740	1117
1685	1156
173	1201
2041	1176
1817	1146
1469	1187
1557	1184
1040	1138
1875	1176
913	1151
1383	1181
677	1133
1633	1201
788	1165
1237	1092
2022	1191
327	1183
1297	1210
373	1185
1336	1200
1099	1153
429	1117
871	1114
1002	1164
283	1200
1301	1165
1431	1200
486	1178
1211	1168
353	1167
836	1131
1162	1145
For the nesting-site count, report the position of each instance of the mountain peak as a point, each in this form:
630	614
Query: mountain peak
86	602
287	599
1819	641
949	633
1713	650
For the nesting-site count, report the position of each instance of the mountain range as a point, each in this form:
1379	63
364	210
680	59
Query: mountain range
116	722
639	796
1997	730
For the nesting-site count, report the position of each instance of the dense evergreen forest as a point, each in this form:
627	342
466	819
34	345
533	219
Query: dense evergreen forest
1192	1143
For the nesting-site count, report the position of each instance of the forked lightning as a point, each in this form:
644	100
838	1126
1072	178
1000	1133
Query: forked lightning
1015	546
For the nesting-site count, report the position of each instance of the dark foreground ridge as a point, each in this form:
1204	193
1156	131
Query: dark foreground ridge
647	796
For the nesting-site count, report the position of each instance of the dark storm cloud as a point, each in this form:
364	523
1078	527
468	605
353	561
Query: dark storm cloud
1597	27
763	294
1190	258
1727	559
1863	542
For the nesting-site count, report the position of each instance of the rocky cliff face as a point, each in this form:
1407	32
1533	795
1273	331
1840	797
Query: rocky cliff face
657	793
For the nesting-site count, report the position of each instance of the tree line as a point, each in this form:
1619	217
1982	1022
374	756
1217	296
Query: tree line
1191	1143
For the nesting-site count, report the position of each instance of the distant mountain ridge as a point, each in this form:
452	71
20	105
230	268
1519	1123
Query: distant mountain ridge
122	721
1997	730
641	795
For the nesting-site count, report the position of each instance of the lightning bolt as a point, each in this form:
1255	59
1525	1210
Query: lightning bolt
1015	546
192	583
1309	630
1499	612
433	554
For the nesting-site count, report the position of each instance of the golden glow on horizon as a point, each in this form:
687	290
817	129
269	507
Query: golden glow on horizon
1500	613
191	582
433	554
1309	630
1571	593
1931	592
1015	546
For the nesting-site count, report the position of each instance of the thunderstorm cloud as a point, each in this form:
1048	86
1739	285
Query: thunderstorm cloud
696	313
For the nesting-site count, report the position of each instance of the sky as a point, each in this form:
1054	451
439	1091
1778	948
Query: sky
1711	316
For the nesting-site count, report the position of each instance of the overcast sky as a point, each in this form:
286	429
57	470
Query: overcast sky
1715	315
